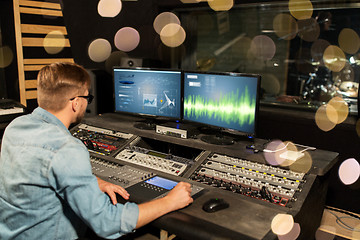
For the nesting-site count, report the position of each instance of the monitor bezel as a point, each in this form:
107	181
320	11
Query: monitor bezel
151	116
224	129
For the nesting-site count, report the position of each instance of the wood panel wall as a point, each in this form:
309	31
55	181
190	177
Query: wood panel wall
41	39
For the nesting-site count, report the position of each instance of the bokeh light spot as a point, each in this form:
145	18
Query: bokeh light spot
287	161
349	41
341	107
221	5
303	164
164	19
358	127
309	29
349	171
285	26
301	9
263	47
172	35
334	58
325	232
318	49
127	39
6	56
293	234
109	8
273	151
99	50
54	42
282	224
321	119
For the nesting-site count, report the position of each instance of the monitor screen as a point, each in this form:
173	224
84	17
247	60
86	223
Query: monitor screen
225	100
148	92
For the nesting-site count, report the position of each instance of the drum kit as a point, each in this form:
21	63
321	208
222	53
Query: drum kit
322	85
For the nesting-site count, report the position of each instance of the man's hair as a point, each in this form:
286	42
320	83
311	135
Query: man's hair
57	83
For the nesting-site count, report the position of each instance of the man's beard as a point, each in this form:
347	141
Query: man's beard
79	118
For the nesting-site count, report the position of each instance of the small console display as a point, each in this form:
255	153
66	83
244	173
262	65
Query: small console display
162	182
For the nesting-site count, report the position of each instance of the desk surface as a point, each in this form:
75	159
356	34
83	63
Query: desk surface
246	218
322	160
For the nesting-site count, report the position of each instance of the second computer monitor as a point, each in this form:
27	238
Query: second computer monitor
148	92
225	100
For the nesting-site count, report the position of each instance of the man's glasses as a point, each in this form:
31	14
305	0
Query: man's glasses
88	97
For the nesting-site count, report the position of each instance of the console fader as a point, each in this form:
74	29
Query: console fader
99	140
140	184
253	179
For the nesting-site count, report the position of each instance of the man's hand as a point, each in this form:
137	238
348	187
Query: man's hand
111	190
180	196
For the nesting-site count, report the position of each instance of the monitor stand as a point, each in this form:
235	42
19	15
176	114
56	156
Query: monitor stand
148	124
218	139
215	136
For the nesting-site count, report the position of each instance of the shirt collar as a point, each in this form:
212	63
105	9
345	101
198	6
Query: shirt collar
48	117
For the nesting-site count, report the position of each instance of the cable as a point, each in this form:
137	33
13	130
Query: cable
306	148
343	211
339	220
272	151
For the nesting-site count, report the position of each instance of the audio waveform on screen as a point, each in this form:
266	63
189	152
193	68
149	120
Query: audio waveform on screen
229	108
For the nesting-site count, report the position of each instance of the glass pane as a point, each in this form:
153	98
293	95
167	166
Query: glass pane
307	54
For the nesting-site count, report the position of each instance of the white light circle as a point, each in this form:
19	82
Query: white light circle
109	8
164	19
54	42
99	50
282	224
127	39
349	171
172	35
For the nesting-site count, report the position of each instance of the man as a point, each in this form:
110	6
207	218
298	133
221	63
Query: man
47	190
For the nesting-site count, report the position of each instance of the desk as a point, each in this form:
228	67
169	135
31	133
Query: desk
246	218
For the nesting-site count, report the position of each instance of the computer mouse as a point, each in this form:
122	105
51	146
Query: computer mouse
214	205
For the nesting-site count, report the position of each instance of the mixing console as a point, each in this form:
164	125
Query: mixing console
124	176
99	140
256	180
155	160
140	184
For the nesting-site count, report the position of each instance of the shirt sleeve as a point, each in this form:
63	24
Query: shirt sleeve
71	177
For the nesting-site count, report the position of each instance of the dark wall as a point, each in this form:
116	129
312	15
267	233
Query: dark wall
9	80
84	25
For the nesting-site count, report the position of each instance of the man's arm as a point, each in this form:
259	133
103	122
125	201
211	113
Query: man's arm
178	197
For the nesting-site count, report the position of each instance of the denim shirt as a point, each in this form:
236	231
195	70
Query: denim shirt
47	190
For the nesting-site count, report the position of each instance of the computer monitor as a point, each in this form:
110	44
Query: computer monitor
227	101
150	93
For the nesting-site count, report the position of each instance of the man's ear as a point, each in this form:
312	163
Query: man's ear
75	105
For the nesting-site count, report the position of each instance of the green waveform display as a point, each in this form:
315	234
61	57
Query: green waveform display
230	108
